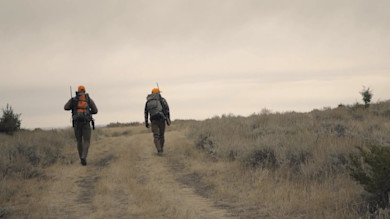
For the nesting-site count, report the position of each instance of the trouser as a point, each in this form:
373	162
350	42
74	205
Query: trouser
158	129
82	131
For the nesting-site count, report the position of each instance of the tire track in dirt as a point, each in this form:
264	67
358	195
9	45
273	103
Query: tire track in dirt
72	192
70	195
169	180
125	178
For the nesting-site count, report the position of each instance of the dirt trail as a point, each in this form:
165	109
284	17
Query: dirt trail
125	179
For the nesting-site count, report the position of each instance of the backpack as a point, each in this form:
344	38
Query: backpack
81	108
154	107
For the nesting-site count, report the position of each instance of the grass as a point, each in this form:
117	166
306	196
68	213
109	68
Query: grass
267	165
23	159
290	164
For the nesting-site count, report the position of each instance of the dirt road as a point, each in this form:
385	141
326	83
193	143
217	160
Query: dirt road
125	178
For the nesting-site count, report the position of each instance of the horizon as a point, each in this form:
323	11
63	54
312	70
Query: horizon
260	112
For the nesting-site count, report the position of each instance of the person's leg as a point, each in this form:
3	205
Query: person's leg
156	135
79	139
161	134
86	140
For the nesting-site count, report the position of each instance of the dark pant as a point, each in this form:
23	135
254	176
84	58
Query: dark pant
82	131
158	129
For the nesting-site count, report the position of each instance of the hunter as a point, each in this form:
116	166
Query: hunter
157	107
82	107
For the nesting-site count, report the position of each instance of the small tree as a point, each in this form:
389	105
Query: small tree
367	95
10	121
373	172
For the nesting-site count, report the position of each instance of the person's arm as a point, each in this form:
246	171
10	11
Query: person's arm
165	107
93	107
166	112
69	104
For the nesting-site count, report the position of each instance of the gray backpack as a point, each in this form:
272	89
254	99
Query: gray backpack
154	107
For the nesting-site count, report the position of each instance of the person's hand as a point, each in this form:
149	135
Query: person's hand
147	125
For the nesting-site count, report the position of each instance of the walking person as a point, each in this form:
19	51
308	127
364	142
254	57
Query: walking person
82	107
157	107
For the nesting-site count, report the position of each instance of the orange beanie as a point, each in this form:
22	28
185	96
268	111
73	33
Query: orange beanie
81	88
156	90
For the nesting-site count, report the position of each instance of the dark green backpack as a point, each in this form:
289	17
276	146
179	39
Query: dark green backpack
154	106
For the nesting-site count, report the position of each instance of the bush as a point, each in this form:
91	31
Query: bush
10	121
373	173
118	124
264	158
366	95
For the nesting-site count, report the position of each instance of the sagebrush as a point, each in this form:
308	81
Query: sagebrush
307	150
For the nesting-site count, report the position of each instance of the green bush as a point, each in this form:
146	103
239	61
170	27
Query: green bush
372	170
10	121
366	95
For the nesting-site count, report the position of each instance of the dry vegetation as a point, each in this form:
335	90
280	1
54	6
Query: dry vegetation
24	157
291	164
267	165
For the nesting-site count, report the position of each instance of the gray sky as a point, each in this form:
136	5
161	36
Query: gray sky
210	57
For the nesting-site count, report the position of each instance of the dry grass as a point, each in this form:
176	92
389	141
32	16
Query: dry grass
290	165
268	165
23	160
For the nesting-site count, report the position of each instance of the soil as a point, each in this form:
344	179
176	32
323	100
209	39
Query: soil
124	178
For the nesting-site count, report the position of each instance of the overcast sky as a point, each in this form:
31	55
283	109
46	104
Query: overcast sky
210	57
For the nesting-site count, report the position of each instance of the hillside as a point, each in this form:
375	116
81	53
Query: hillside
267	165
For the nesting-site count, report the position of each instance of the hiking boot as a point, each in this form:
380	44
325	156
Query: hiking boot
159	153
83	162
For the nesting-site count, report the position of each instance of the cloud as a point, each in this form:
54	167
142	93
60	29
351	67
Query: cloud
210	57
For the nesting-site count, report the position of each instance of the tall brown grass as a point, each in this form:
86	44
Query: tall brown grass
23	158
291	164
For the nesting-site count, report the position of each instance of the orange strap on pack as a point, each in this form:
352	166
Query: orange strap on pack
82	104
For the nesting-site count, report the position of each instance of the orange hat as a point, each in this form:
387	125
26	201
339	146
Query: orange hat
156	90
81	88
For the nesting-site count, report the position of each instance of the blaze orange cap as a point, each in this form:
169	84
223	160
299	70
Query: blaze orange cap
156	90
81	88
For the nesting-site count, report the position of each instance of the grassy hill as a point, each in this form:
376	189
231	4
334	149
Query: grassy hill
294	163
267	165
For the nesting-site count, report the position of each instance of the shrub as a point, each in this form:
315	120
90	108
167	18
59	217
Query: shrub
10	121
118	124
264	158
367	95
373	172
4	213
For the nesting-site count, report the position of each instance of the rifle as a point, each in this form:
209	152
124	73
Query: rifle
167	119
71	97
